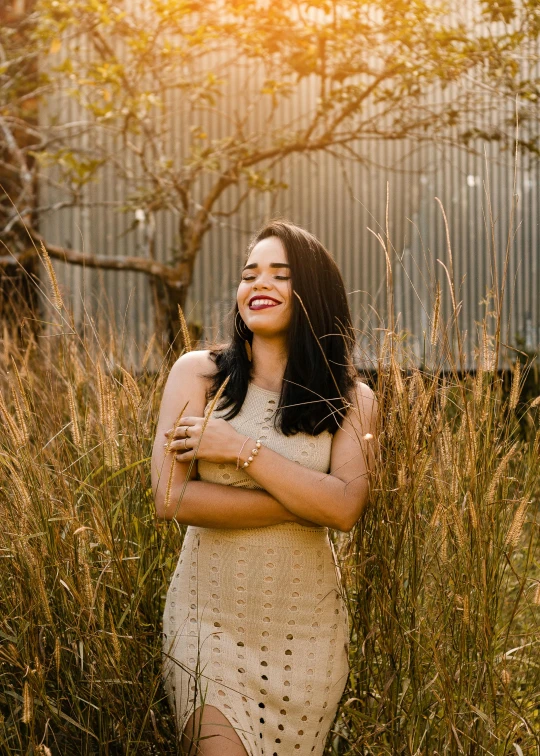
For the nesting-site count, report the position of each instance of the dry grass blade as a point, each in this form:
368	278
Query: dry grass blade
16	437
436	316
22	390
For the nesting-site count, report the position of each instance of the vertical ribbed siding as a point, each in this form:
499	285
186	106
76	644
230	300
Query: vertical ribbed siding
338	202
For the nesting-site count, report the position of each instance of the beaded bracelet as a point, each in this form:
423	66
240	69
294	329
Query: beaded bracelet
240	452
253	454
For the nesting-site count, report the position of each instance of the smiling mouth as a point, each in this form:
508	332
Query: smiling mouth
262	303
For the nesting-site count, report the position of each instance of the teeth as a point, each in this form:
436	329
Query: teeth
263	301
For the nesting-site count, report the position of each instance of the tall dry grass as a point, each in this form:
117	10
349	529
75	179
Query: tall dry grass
442	575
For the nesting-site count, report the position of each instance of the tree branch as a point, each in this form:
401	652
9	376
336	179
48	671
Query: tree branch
174	276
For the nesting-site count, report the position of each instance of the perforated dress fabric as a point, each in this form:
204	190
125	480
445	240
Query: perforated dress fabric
255	623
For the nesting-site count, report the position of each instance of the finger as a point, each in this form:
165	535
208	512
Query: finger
181	443
189	420
185	456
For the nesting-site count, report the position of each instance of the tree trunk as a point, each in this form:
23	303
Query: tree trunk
19	305
167	298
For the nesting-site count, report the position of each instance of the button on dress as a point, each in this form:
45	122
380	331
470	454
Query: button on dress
255	623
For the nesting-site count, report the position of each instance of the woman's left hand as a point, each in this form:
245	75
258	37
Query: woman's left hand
218	443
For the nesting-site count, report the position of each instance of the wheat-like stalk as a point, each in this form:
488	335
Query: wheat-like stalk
75	364
117	651
56	296
478	385
107	419
535	402
57	655
148	351
472	512
499	472
28	704
459	530
20	490
515	389
87	586
514	531
102	395
16	437
185	330
22	428
22	389
131	388
72	404
43	598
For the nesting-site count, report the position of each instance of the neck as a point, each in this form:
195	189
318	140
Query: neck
269	359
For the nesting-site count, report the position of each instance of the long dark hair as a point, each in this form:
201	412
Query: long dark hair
319	375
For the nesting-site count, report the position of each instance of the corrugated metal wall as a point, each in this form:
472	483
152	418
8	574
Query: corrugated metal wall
339	202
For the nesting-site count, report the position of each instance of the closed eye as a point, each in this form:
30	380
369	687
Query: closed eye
279	278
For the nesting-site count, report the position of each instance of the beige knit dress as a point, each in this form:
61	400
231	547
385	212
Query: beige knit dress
254	621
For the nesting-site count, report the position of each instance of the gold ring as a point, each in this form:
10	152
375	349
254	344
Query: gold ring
186	431
185	444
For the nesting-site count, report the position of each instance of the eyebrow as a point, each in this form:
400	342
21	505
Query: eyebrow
272	265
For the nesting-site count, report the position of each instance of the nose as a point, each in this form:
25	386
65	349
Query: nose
260	283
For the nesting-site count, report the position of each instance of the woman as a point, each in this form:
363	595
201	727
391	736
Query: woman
255	629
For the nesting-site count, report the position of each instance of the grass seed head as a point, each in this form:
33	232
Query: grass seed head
72	404
185	330
28	704
55	289
499	472
22	390
131	388
515	389
514	531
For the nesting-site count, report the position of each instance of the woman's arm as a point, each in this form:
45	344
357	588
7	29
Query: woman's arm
203	504
338	498
335	499
212	505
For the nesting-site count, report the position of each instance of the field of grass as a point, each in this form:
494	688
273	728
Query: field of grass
442	575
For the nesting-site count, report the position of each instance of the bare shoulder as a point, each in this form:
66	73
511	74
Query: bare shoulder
185	388
187	384
363	407
197	367
198	360
364	393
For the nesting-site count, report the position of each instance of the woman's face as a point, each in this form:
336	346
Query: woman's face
265	293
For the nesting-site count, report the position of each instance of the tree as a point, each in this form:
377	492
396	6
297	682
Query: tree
371	64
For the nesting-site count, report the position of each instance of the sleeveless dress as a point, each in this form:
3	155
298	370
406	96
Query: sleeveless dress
254	622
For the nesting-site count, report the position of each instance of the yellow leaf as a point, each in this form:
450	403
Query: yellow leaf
56	44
